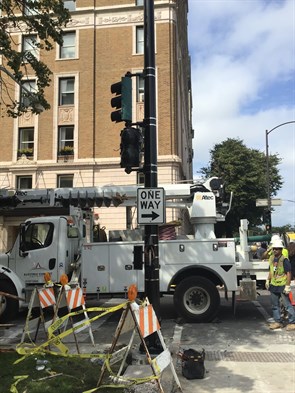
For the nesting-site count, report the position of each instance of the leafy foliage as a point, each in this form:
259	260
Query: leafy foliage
43	19
243	171
283	229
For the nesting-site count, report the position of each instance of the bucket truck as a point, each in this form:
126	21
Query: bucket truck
193	267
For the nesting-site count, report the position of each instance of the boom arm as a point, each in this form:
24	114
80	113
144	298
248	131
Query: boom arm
187	195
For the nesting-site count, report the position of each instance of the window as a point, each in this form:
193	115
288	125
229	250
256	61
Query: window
139	40
24	182
28	90
29	46
26	141
66	140
38	236
140	89
140	178
65	181
29	7
139	2
67	50
70	5
66	91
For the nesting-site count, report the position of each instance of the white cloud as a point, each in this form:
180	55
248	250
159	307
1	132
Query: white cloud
243	63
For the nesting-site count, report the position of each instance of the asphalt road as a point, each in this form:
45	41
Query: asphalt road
242	354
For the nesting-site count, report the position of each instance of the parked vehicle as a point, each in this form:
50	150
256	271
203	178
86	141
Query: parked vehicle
193	267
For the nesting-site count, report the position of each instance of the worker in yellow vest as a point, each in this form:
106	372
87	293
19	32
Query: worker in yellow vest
269	251
278	283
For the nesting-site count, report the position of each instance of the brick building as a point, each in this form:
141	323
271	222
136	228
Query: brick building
75	144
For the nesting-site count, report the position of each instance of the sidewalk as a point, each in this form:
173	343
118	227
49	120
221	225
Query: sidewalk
240	357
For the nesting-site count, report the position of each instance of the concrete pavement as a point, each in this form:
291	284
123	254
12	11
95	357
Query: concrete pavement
242	354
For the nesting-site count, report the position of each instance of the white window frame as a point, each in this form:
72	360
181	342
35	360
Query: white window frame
23	143
70	5
62	140
67	178
139	40
139	89
29	45
21	178
64	47
29	11
30	86
66	92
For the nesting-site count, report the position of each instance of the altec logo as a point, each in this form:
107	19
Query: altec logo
204	197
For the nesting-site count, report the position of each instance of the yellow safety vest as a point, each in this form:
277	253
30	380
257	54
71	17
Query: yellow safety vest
278	275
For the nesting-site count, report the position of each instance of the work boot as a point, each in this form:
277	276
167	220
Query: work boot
275	325
291	326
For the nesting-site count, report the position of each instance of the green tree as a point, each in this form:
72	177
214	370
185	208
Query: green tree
283	229
41	21
243	171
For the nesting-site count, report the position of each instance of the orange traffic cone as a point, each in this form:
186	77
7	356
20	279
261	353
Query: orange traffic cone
291	299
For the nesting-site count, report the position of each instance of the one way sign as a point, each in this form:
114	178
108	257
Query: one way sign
151	206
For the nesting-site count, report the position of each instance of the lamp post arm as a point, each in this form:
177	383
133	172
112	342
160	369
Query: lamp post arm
267	132
280	125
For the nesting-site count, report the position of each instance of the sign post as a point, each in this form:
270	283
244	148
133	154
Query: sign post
150	169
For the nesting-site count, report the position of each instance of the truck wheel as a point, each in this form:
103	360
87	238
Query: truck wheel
197	299
9	306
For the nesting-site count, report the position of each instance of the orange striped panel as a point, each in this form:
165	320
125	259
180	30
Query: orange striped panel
46	297
75	298
147	320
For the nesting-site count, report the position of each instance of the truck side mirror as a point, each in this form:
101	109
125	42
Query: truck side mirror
22	243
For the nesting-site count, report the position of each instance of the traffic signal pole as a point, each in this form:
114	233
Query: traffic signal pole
151	241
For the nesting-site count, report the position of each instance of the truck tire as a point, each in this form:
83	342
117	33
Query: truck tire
196	299
9	306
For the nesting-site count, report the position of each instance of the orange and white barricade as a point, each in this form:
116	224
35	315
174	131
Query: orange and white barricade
43	302
71	300
141	320
146	318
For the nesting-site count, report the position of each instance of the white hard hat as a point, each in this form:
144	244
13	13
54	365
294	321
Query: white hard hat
274	238
277	244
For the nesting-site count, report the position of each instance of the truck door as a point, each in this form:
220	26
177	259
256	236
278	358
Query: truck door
37	252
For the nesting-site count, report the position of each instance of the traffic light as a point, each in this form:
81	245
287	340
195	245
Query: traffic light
131	144
267	219
123	100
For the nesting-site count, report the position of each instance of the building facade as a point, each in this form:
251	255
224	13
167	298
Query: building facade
75	143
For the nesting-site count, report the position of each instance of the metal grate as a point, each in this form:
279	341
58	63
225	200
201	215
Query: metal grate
278	357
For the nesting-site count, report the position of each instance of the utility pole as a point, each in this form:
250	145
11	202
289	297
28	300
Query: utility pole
151	241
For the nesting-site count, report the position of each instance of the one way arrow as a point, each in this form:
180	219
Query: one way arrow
152	215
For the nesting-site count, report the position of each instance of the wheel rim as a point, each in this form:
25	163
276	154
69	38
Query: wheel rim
196	300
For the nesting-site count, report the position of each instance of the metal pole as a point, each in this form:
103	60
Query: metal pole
267	175
151	244
267	171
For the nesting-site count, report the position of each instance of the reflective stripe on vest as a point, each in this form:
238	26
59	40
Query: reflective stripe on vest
278	277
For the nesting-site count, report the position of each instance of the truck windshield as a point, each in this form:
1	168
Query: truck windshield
38	235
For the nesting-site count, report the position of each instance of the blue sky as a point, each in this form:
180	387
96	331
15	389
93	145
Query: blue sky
243	80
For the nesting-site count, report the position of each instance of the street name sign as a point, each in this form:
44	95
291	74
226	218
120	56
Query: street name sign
151	207
263	202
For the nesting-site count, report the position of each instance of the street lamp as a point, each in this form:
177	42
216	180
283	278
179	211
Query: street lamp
267	132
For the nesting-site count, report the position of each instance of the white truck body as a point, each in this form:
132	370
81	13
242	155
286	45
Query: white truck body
191	267
109	267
